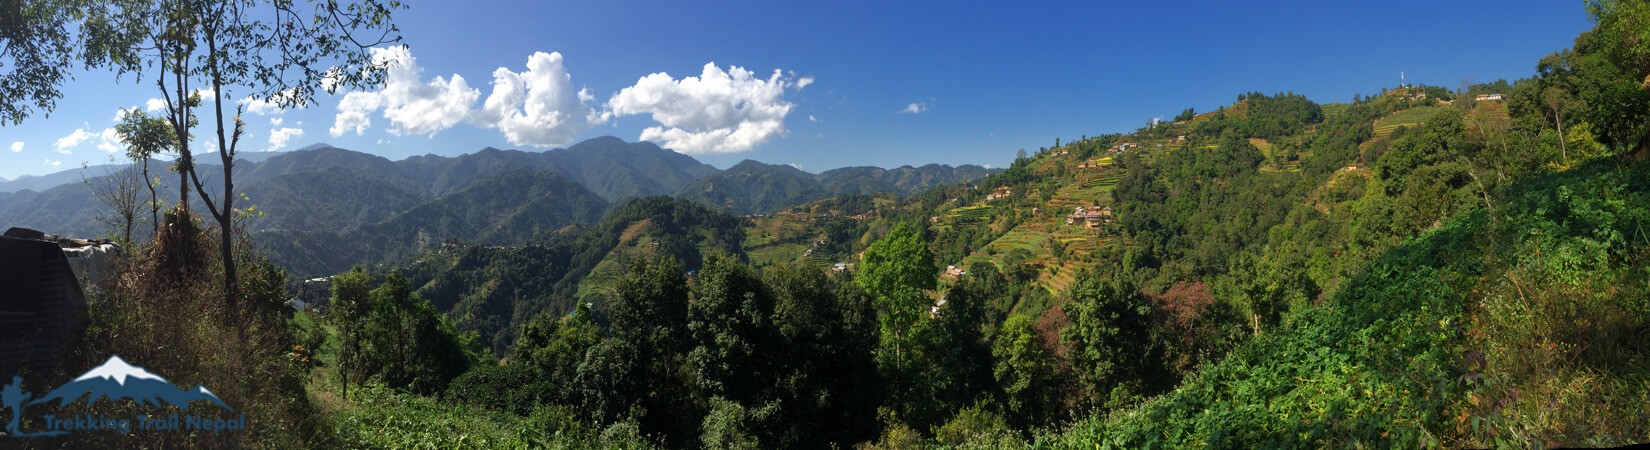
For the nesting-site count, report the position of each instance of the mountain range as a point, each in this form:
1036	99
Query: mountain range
320	202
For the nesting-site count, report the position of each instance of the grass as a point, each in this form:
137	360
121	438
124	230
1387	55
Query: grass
970	214
1264	146
1406	118
776	253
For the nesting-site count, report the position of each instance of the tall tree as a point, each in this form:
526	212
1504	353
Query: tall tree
1109	334
145	137
351	300
273	50
896	271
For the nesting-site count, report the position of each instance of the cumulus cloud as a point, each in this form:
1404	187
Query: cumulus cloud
154	105
272	105
66	144
811	118
538	106
411	105
52	163
804	82
109	141
717	112
914	108
279	137
17	147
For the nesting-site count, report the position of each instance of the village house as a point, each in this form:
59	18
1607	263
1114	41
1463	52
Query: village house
1093	218
954	272
1489	97
1000	192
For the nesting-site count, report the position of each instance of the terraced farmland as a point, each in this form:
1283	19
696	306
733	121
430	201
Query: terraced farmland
970	214
1406	118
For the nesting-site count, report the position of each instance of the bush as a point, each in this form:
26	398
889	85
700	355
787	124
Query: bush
509	388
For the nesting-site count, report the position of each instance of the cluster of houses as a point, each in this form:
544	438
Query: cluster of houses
954	272
1090	164
1000	192
1089	217
1489	97
842	267
1123	146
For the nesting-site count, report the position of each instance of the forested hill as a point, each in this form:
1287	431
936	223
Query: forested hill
1417	267
752	187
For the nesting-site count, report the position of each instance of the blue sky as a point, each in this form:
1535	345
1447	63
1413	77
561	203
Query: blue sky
858	83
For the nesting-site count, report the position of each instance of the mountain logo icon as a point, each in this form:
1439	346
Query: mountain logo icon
116	379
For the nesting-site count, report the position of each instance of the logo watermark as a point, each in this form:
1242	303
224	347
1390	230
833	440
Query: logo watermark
116	380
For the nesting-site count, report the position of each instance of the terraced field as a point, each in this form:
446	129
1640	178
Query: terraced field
1087	191
776	253
1406	118
970	214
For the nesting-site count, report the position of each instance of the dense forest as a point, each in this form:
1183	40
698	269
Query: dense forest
1419	267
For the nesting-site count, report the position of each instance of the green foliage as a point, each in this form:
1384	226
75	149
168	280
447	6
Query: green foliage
516	388
1027	373
554	346
977	427
406	344
1258	115
383	418
895	271
730	323
1109	334
1456	338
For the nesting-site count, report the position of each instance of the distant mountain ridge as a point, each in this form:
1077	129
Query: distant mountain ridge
319	199
752	187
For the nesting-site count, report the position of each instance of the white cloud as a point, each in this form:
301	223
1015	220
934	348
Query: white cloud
207	95
804	82
154	105
109	141
272	105
914	108
66	144
717	112
354	112
279	137
537	107
811	118
52	163
412	105
17	147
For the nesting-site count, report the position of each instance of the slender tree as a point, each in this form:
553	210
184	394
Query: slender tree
145	137
279	51
119	190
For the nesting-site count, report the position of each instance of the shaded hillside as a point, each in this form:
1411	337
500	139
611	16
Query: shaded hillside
752	187
903	180
330	198
608	166
505	209
494	289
